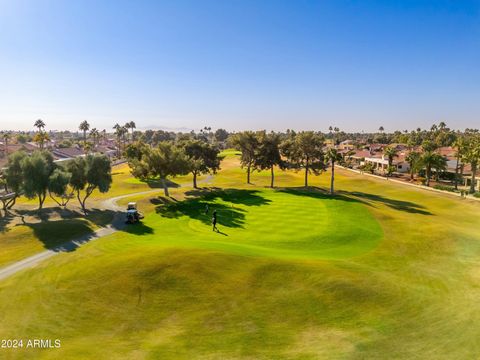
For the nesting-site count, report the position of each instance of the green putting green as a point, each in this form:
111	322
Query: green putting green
288	223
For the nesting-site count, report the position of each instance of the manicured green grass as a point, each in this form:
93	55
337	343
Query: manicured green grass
379	271
23	240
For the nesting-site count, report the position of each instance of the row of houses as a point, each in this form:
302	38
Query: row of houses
58	153
374	154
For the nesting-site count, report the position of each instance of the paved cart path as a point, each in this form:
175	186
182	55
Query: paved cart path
117	224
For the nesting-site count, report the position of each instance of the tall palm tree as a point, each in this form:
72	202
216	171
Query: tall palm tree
120	132
459	145
332	155
471	155
413	158
432	160
6	137
131	126
94	133
84	126
390	152
40	125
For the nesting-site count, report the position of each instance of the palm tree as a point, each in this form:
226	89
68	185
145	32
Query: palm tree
459	144
390	152
131	125
40	125
413	159
332	155
84	126
94	133
6	137
120	132
471	155
432	160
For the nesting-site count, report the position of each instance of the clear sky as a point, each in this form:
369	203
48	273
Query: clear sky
240	64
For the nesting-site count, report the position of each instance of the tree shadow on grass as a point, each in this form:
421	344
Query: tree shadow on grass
317	193
401	205
234	196
69	232
360	197
228	215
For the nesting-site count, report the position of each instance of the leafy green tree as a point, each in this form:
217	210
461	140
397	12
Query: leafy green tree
23	138
134	151
12	179
431	160
247	143
40	138
221	135
203	158
84	126
268	153
166	160
89	173
332	156
36	170
58	184
304	150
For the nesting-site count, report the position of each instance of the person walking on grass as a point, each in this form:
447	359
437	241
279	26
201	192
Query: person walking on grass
214	220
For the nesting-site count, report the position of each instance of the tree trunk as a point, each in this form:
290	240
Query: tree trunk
248	174
427	173
272	177
41	199
306	174
165	187
332	179
456	173
473	180
194	179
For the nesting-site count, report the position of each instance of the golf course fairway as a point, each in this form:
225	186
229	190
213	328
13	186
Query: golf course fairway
377	271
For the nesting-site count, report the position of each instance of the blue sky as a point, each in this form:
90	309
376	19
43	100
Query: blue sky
240	64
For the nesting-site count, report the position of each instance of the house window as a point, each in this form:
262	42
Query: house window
399	166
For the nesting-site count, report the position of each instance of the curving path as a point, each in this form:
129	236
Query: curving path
117	224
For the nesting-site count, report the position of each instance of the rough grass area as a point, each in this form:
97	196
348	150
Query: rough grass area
379	271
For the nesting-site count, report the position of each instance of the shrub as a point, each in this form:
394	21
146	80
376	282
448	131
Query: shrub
445	188
477	194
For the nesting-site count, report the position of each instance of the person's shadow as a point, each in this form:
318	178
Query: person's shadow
221	233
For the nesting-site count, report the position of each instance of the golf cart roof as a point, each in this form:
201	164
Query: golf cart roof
132	204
